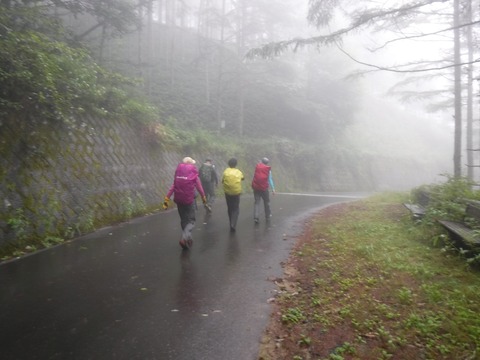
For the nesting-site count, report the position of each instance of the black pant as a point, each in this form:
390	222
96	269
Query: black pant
260	195
209	188
233	206
187	219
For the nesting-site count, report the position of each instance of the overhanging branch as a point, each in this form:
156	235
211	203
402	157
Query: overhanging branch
424	35
275	48
393	69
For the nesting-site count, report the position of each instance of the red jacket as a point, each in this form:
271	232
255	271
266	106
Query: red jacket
260	178
184	185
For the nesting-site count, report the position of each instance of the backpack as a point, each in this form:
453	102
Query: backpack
260	178
232	181
205	173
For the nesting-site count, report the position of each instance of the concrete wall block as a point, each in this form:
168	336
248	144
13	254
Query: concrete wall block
73	179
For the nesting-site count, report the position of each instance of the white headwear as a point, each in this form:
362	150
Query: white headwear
188	160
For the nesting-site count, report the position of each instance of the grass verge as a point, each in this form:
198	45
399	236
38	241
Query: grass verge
364	283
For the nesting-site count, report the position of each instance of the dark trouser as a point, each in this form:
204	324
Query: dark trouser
259	195
187	219
209	188
233	206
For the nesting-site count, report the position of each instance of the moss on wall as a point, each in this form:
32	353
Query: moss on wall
59	182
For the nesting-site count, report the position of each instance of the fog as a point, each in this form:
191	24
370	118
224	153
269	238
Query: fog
391	106
405	129
371	89
401	114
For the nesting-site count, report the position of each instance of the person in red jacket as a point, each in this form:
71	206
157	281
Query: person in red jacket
262	180
185	182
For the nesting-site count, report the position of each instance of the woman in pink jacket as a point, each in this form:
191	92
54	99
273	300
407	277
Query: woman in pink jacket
183	189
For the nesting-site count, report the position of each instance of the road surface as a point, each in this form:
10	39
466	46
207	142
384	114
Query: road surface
130	292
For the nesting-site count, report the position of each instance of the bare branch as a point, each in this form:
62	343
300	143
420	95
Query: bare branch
423	35
364	19
396	68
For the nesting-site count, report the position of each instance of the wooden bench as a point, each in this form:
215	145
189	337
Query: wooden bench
418	209
464	233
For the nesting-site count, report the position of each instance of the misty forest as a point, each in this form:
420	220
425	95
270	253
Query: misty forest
366	113
99	96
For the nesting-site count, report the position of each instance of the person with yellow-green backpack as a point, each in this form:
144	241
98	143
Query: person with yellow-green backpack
232	186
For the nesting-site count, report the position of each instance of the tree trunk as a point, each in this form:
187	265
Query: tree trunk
102	44
203	52
139	47
160	12
171	23
161	46
457	151
470	161
240	73
180	37
149	48
220	121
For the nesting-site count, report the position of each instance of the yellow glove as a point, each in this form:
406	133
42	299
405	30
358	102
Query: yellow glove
165	203
207	206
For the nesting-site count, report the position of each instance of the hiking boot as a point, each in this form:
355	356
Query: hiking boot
232	229
256	220
183	244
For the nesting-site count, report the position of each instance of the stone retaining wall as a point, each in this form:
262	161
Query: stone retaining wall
64	181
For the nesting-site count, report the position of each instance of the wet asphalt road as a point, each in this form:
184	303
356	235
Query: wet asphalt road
130	292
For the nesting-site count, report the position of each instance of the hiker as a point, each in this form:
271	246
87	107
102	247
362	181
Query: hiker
262	181
209	179
185	183
232	186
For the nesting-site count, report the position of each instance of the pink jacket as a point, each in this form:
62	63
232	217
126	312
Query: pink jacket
184	184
